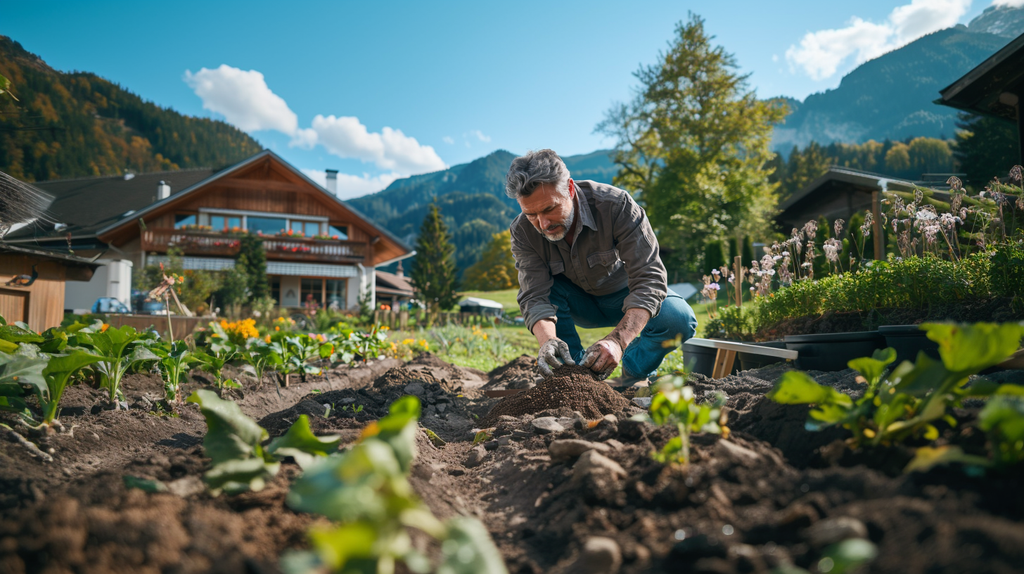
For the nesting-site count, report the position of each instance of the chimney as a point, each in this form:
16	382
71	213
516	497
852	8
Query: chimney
398	271
163	191
332	181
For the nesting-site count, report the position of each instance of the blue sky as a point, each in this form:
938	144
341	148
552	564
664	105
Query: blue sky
380	90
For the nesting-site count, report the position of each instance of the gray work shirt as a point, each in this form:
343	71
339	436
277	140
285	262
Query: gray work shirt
614	248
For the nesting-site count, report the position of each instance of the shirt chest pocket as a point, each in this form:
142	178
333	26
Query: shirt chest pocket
557	267
608	259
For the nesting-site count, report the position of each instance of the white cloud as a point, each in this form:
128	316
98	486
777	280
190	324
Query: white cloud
448	140
1010	3
480	136
243	98
821	53
305	138
347	137
352	186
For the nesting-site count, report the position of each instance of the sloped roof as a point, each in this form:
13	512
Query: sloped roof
980	89
87	205
856	177
394	284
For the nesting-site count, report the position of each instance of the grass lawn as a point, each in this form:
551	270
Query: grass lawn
463	347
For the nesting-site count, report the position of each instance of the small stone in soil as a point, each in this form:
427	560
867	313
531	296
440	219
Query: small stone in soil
546	425
596	464
415	389
832	530
475	457
566	449
600	555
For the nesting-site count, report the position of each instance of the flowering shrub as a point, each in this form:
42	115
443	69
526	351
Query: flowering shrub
239	332
326	237
290	233
195	227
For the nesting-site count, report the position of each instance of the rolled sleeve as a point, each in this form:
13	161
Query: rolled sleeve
535	281
638	249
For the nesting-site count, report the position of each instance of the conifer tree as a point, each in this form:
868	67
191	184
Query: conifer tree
433	269
252	260
496	269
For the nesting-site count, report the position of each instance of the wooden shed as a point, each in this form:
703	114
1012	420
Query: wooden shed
32	284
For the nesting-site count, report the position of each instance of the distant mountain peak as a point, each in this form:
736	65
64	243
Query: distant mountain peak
1005	21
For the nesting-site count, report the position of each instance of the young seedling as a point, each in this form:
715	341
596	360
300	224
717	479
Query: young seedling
174	367
124	351
675	404
366	490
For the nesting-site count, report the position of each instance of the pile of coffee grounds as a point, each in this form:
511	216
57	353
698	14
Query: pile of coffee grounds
571	386
523	368
402	376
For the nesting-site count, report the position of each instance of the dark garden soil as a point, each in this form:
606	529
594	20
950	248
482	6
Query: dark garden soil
565	483
999	310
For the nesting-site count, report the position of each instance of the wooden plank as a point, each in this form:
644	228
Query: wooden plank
13	304
723	363
743	348
876	213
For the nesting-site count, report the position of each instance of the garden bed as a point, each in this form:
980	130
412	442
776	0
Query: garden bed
771	494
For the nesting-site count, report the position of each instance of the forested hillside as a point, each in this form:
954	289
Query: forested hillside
77	124
470	196
891	97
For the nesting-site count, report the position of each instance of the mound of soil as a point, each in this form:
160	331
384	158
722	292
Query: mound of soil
519	373
572	387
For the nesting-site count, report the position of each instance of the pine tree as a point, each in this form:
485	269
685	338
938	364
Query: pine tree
433	269
496	269
252	260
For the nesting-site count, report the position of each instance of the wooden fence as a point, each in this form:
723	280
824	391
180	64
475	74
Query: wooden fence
183	326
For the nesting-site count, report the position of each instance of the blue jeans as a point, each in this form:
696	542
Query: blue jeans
644	355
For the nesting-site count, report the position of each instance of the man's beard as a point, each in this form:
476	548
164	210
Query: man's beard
563	226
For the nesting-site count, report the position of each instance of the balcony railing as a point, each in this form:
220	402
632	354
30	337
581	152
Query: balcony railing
278	248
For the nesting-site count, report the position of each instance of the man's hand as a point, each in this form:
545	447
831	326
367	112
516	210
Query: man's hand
602	357
553	354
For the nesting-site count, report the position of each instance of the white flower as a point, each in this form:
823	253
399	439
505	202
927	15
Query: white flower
926	215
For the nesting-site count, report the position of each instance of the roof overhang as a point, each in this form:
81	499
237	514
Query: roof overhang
994	87
861	179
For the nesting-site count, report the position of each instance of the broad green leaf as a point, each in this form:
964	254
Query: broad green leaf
18	334
142	353
798	388
236	476
230	434
55	343
872	368
1005	412
20	372
70	362
468	549
923	377
338	545
7	346
969	348
15	405
928	457
301	444
144	484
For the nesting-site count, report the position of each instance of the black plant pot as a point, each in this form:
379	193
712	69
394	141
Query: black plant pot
699	359
831	352
908	340
751	361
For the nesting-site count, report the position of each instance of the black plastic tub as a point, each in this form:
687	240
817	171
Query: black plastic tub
831	351
751	361
699	359
908	340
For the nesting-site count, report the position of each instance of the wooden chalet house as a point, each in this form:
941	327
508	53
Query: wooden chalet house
316	245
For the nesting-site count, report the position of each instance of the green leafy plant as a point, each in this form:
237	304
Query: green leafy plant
1003	420
675	404
366	490
909	400
234	443
174	367
123	349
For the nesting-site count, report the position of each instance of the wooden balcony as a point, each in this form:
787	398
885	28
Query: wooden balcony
277	248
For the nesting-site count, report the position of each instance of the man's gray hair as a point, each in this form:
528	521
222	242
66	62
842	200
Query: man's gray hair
534	169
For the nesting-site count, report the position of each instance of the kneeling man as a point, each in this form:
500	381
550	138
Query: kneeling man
587	256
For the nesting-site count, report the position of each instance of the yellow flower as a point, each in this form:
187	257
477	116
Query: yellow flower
276	328
267	338
104	328
408	341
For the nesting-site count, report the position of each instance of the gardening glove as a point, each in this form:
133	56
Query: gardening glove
553	354
602	357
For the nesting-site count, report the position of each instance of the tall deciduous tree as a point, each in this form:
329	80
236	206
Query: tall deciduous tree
694	143
433	269
496	268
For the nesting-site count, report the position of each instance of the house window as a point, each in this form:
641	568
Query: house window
311	287
341	231
266	225
183	220
225	222
275	288
306	228
337	291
